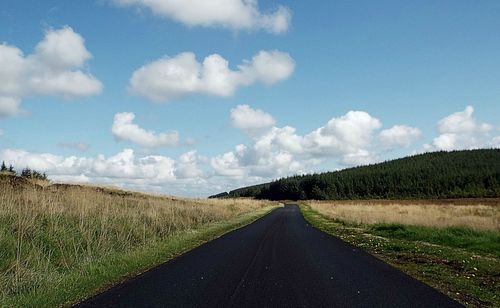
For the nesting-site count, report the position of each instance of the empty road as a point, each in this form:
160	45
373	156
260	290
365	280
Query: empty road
279	260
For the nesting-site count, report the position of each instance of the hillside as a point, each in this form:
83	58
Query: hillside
60	243
457	174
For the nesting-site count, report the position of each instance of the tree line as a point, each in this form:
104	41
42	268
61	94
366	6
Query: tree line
25	173
456	174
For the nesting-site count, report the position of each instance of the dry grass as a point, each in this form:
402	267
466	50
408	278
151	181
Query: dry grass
48	231
478	214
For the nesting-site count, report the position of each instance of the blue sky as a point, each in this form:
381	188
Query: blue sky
308	87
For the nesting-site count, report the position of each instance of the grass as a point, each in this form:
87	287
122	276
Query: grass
483	214
62	243
460	261
487	242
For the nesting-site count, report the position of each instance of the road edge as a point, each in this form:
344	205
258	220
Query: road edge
93	279
326	225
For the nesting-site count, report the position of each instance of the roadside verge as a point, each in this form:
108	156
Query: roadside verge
92	278
471	277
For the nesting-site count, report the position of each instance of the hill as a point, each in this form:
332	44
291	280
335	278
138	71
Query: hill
456	174
60	243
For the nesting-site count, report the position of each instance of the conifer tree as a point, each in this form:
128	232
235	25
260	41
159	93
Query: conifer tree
456	174
26	173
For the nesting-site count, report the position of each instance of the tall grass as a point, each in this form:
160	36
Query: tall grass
477	216
46	233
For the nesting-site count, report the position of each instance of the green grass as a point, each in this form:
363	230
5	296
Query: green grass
462	263
68	287
487	242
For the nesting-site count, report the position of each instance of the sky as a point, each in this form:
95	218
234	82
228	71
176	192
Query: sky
197	97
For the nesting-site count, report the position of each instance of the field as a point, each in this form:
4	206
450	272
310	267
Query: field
60	243
475	214
452	245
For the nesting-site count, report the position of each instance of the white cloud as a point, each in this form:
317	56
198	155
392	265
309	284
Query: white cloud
54	68
360	157
62	48
246	118
124	129
399	136
45	162
254	162
460	130
227	164
280	151
347	140
495	142
347	134
187	166
148	173
167	78
462	122
80	146
267	66
233	14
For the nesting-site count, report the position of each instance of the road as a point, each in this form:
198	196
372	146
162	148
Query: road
279	260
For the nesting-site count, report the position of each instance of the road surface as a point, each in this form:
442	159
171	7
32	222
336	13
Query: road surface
279	260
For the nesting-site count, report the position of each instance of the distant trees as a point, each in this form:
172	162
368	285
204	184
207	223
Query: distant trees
457	174
26	172
221	195
33	174
4	168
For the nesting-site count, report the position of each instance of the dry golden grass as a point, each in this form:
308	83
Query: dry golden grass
478	215
48	231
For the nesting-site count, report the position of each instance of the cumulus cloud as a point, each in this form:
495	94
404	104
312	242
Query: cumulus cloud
360	157
227	164
399	136
124	129
460	130
124	169
245	118
80	146
344	135
462	122
167	78
351	139
232	14
354	138
280	151
56	67
188	166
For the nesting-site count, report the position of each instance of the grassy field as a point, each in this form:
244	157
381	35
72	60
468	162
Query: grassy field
474	214
61	243
453	246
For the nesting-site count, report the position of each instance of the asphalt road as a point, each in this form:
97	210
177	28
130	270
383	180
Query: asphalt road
277	261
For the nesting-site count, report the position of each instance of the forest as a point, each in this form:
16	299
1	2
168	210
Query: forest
456	174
